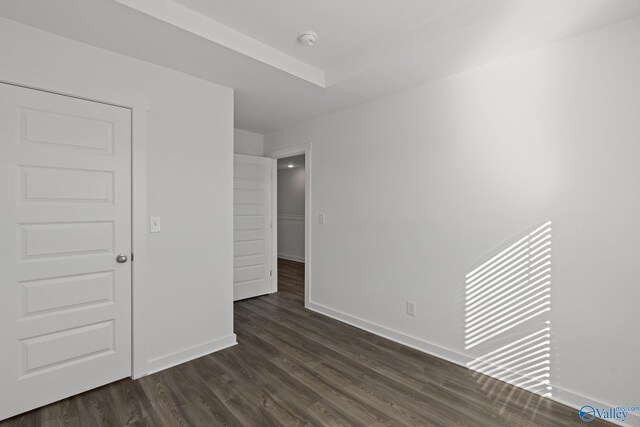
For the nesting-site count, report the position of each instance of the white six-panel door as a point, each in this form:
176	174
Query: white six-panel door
65	214
253	239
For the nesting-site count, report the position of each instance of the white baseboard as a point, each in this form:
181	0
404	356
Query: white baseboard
566	397
390	334
164	362
292	257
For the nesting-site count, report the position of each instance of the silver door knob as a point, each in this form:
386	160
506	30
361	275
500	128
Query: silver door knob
122	258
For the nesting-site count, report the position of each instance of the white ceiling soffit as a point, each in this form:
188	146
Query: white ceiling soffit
182	17
442	24
278	22
278	84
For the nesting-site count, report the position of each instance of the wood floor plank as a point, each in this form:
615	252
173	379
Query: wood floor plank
295	367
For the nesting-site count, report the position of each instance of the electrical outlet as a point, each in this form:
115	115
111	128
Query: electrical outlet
411	308
154	224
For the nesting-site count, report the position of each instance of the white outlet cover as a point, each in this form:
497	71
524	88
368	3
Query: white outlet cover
154	224
411	308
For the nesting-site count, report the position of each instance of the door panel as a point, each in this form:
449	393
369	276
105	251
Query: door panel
39	184
252	226
65	203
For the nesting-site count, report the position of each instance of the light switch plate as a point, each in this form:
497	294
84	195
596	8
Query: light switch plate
411	308
154	224
321	218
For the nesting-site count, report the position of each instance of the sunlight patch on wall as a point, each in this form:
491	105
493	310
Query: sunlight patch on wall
507	313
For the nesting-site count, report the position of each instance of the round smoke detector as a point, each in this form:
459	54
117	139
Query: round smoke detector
308	38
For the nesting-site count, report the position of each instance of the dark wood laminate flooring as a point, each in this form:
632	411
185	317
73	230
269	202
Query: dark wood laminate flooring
295	367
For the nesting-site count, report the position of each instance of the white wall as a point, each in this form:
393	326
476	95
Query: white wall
291	214
190	149
421	186
245	142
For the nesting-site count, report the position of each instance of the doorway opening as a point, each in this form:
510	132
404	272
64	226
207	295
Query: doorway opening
290	210
307	151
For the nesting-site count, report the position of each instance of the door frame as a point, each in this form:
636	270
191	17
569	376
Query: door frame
288	152
138	107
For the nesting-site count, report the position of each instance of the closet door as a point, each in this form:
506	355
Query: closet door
253	231
65	217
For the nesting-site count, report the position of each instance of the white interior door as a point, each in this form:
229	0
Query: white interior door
65	213
253	228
